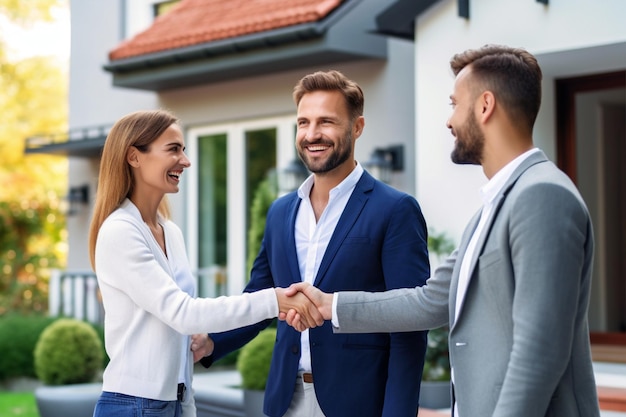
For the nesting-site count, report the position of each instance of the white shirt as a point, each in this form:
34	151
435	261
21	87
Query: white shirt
312	237
488	193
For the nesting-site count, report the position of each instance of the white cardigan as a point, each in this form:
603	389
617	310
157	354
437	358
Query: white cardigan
146	312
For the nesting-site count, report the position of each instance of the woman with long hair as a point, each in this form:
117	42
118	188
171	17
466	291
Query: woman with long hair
143	272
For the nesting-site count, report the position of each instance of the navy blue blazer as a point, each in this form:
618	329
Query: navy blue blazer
380	243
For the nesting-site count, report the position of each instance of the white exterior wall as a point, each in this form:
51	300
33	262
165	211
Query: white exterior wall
93	101
569	37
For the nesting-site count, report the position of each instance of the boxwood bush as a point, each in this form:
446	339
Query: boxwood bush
69	351
18	337
254	360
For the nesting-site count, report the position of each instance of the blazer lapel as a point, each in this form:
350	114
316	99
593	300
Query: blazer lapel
454	284
350	214
290	237
497	204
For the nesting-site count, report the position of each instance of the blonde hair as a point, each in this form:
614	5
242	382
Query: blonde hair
115	181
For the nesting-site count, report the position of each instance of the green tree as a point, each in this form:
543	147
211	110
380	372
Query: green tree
32	226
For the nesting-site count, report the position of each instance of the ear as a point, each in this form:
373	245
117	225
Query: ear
358	126
486	106
132	157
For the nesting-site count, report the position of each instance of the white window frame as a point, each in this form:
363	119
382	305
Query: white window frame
236	183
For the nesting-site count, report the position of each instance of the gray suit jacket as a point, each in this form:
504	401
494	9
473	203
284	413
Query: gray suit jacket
520	345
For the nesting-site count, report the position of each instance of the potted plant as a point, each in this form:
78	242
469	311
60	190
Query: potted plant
68	358
435	387
253	363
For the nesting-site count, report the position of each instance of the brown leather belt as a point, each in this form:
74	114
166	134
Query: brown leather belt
307	377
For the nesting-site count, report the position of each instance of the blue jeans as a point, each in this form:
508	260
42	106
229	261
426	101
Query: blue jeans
112	404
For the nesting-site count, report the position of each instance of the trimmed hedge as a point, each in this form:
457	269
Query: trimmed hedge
18	337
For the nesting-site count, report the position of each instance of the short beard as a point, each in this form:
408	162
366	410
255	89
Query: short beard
470	143
337	158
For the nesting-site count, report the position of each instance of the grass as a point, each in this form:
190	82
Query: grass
18	404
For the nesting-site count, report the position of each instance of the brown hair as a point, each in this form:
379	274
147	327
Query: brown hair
332	81
115	182
511	74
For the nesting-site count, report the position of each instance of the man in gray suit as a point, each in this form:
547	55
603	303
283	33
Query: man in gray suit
516	291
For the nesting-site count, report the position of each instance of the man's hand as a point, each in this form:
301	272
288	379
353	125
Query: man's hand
323	302
201	345
308	313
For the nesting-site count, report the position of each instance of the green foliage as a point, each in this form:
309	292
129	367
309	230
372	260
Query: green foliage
440	244
31	237
264	196
255	358
437	361
32	228
18	337
68	351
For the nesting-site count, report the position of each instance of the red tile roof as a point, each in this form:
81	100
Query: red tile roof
193	22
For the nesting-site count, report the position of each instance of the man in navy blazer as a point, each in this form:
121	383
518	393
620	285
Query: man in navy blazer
342	230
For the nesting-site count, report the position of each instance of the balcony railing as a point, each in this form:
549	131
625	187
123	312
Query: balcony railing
76	293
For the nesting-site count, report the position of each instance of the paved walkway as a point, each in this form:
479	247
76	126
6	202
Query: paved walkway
610	378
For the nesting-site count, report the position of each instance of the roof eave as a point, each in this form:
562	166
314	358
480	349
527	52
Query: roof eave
257	54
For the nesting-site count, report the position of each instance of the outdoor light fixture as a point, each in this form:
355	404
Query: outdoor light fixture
384	161
77	197
291	176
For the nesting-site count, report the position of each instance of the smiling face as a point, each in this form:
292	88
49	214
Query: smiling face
160	167
463	124
325	137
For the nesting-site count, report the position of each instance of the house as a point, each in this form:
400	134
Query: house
226	68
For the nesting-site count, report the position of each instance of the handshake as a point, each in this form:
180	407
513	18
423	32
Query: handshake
303	306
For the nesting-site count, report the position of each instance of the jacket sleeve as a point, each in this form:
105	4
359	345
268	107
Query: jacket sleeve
399	310
125	264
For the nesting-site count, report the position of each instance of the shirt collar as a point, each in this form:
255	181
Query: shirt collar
347	184
490	190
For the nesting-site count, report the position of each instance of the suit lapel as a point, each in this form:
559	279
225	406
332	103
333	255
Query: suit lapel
290	237
350	214
497	205
454	284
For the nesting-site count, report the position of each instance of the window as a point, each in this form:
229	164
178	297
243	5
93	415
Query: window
163	7
227	164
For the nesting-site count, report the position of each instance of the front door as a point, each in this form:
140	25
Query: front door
591	147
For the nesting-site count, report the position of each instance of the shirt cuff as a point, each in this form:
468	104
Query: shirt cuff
334	319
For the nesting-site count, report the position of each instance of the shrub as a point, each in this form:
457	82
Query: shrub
18	337
264	196
254	360
68	351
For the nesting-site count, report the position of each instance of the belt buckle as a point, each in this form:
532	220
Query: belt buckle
180	393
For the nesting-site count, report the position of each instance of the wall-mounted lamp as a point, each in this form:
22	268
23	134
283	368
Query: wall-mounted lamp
77	197
384	161
291	176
